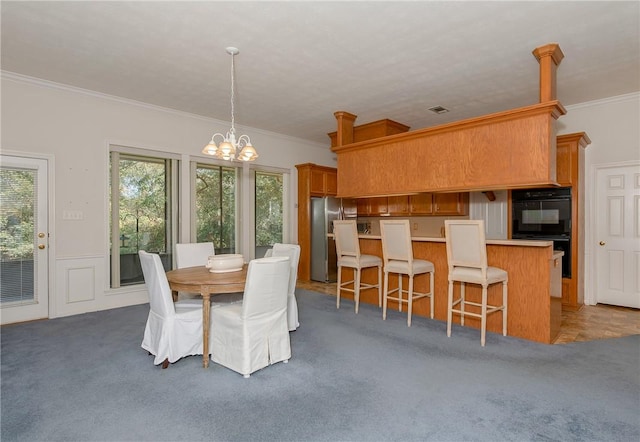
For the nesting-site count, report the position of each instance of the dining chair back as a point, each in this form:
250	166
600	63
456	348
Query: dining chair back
248	336
397	252
467	262
348	253
171	331
192	255
292	251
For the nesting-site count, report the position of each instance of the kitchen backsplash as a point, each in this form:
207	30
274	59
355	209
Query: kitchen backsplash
429	226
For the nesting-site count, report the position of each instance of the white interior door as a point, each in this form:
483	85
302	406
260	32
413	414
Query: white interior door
617	249
24	234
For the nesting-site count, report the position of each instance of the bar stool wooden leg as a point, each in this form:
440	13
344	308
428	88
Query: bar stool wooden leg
384	296
483	319
431	292
449	308
356	288
504	308
339	287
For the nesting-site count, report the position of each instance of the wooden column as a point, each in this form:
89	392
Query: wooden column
345	127
549	56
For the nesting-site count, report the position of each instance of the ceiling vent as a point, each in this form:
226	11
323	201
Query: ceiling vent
439	110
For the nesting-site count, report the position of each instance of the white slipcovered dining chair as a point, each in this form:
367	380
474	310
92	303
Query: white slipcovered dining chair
192	255
467	259
398	258
348	250
251	335
293	252
172	332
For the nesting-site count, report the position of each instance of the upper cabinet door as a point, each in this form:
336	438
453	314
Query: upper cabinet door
379	206
331	183
398	205
564	163
421	204
362	205
317	182
323	182
451	203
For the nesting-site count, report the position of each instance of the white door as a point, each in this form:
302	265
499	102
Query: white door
24	246
617	248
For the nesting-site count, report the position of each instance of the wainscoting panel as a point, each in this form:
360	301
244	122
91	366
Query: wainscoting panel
79	283
82	286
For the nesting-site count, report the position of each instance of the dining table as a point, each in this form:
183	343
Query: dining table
206	282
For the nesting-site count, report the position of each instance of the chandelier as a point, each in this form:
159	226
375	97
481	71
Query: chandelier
229	145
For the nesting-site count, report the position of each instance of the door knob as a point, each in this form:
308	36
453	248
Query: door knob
41	246
602	243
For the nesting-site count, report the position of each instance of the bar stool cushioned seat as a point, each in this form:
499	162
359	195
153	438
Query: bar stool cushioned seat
398	258
348	250
467	259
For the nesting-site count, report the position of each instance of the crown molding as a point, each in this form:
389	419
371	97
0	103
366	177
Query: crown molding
20	78
615	99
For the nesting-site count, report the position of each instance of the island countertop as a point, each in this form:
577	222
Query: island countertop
534	295
499	242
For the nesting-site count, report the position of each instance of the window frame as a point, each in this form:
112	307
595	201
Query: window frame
286	206
172	161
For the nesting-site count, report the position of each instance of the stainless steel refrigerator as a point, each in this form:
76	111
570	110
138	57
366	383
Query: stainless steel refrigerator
323	249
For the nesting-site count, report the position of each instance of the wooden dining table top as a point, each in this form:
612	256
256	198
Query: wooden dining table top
198	279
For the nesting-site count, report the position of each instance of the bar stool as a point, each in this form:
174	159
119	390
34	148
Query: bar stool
348	250
467	259
398	258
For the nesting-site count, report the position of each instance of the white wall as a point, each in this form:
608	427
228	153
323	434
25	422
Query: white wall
76	127
613	125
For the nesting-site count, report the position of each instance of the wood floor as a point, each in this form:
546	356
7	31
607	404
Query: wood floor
590	323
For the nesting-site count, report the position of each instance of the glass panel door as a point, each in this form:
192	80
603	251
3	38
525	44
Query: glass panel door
23	239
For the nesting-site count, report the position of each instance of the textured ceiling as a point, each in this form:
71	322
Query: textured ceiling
301	61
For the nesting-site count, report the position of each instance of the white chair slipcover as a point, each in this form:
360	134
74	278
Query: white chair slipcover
397	252
254	334
171	332
348	250
467	259
192	255
293	252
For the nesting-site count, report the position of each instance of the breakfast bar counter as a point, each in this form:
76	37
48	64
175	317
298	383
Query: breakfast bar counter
535	287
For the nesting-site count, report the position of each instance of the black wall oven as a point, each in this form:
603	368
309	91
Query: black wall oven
544	214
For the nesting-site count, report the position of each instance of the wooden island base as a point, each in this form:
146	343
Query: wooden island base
535	287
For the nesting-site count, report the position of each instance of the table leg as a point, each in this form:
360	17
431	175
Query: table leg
206	312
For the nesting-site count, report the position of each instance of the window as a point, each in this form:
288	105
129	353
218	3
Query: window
143	190
216	206
269	210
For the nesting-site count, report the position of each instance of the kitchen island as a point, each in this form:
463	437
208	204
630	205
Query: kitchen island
535	287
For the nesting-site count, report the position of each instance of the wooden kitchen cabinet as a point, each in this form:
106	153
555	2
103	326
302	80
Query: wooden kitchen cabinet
323	182
451	203
421	204
362	205
570	173
398	205
379	206
570	158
